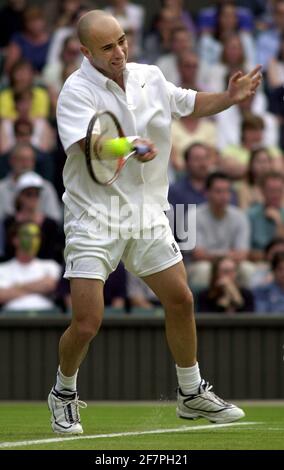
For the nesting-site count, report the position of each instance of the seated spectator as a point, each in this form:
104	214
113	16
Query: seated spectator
169	64
267	219
249	191
21	78
42	134
268	42
158	41
235	158
221	230
208	17
232	59
229	122
139	294
224	295
26	282
263	274
191	188
27	209
178	9
54	74
270	298
226	22
32	43
22	159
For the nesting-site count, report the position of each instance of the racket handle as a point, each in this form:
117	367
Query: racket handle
141	149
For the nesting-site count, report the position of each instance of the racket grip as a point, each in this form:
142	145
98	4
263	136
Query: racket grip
141	149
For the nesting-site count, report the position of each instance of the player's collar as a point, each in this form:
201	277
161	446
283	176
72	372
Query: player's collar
93	74
97	77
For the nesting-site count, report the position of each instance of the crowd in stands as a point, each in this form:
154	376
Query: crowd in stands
230	166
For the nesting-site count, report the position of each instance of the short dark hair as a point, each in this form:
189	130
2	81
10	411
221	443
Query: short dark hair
277	259
189	149
276	175
216	175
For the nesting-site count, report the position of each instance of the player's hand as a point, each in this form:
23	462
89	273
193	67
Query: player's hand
146	157
242	86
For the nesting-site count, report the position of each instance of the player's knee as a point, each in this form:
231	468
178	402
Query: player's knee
87	330
183	299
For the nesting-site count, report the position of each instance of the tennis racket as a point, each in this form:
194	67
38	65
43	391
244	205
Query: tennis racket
104	166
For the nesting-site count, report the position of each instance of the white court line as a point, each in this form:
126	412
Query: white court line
5	445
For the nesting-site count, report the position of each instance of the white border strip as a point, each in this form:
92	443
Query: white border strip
7	445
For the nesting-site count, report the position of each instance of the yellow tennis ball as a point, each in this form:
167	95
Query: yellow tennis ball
117	147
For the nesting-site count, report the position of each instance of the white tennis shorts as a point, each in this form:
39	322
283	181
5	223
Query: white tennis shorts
91	257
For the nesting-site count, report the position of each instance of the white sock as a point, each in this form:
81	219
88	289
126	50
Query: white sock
188	379
66	383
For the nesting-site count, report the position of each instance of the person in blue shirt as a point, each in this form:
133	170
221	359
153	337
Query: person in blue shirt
270	298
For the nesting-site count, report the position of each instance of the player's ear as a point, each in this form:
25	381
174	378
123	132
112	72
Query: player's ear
85	51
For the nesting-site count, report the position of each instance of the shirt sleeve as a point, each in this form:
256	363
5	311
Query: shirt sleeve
75	109
242	233
182	101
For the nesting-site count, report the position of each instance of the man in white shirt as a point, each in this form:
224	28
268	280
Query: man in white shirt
144	102
27	282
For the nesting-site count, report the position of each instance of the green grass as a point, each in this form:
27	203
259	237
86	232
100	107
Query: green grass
28	421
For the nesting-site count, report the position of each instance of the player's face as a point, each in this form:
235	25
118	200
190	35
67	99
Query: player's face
109	50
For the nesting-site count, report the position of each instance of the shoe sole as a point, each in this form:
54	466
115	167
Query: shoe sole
229	419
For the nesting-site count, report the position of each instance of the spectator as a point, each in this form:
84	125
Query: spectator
27	209
267	218
21	78
232	59
26	282
270	298
169	64
158	41
221	230
208	17
61	33
229	122
42	134
268	42
177	7
31	44
22	159
53	73
263	274
249	191
224	295
191	188
236	157
227	22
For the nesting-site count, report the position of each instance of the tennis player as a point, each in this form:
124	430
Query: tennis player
144	103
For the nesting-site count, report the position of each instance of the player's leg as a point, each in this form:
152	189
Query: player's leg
87	307
194	396
171	288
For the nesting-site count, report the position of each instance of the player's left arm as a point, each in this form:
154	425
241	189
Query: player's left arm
241	86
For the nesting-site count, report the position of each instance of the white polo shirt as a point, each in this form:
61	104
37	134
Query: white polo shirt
145	109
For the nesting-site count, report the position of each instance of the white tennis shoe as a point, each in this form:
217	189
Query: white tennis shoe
205	404
65	416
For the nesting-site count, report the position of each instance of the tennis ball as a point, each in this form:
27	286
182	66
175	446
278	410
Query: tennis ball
117	147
